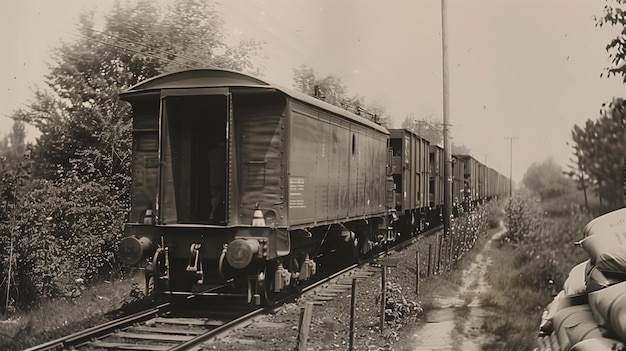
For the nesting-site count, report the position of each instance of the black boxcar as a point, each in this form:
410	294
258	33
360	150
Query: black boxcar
410	168
241	183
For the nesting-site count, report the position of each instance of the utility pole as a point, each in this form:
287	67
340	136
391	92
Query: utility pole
447	170
511	166
486	186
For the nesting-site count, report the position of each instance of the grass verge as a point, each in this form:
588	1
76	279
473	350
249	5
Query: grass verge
522	270
63	316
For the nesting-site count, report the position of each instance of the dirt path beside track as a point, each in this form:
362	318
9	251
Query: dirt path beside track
456	321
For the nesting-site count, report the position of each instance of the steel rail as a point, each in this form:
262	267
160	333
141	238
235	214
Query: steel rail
81	337
191	344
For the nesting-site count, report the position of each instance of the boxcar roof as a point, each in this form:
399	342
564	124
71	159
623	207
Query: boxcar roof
214	78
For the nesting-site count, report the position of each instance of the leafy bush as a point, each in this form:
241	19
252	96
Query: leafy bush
66	231
547	180
523	217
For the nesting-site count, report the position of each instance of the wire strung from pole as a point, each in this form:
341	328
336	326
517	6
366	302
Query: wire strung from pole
130	41
130	49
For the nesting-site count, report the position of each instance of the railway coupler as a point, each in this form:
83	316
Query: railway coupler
195	262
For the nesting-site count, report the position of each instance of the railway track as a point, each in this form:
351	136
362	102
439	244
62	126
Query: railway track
164	327
186	324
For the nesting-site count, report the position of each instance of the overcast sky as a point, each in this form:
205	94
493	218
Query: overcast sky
523	69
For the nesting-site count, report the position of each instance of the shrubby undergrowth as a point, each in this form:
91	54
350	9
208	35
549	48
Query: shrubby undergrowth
533	257
64	235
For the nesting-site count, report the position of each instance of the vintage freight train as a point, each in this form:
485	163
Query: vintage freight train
239	185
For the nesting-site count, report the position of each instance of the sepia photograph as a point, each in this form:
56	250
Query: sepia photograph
370	175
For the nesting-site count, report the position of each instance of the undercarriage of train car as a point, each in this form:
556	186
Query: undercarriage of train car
180	261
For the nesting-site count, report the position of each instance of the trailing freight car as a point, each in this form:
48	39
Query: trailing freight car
458	190
239	184
410	168
472	181
497	184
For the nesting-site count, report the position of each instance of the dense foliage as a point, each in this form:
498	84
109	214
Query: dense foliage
62	217
532	259
66	231
547	180
431	129
333	90
615	15
599	155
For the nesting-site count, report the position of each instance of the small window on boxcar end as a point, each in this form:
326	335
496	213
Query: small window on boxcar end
353	143
396	146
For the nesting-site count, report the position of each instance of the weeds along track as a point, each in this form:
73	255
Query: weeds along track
184	324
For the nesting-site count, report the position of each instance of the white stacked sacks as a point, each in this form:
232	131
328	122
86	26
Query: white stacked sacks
609	308
558	315
589	314
598	344
546	328
568	322
606	222
605	273
605	242
573	321
596	280
575	324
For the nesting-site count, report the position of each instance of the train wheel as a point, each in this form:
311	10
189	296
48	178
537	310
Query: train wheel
265	284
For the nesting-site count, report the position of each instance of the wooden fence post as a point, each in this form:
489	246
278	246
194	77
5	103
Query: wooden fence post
417	273
383	297
352	310
430	252
438	252
305	326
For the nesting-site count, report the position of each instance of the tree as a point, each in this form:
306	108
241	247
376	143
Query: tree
599	154
432	130
615	15
577	170
13	146
332	90
380	112
82	158
428	127
80	116
546	179
304	81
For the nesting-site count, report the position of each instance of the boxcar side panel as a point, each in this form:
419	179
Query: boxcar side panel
303	164
333	169
322	209
260	122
